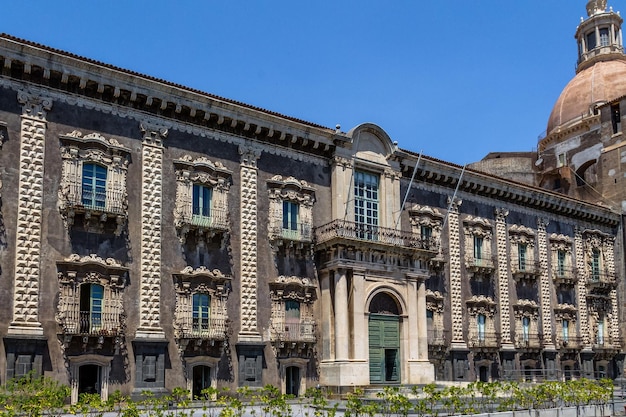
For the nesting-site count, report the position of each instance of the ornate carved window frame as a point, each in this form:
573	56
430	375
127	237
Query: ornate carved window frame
560	242
285	288
204	172
77	150
429	217
296	191
75	271
478	227
522	235
200	281
604	243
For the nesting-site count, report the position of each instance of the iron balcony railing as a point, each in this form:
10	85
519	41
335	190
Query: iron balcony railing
293	332
485	261
438	337
343	229
93	199
91	323
485	339
202	328
526	267
564	273
215	218
601	279
529	340
303	232
570	342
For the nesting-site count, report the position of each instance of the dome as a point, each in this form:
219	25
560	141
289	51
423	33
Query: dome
603	81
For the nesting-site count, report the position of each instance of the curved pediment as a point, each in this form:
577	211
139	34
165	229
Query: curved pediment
371	143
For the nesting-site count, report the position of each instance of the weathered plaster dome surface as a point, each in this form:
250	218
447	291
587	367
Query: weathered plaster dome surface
603	81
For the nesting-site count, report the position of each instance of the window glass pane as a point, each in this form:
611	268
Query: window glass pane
201	200
96	296
478	247
290	215
365	198
591	41
94	185
604	37
522	256
292	310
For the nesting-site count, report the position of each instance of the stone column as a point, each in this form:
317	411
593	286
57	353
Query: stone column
581	272
248	228
342	326
545	284
327	309
151	212
456	301
503	278
422	324
29	215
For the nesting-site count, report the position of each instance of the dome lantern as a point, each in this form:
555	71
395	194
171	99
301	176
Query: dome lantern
599	36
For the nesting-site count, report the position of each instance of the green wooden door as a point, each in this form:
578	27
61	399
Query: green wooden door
384	348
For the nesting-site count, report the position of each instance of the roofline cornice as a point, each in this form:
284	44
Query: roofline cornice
36	64
475	182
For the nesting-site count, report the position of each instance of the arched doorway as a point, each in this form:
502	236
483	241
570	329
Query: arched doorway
89	379
384	339
201	380
292	380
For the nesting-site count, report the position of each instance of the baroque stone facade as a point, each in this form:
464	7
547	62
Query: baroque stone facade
190	241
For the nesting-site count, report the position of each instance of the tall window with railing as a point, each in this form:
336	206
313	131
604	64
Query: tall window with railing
201	313
560	262
595	264
201	204
94	185
480	324
91	304
526	328
478	248
291	219
521	256
366	204
600	331
565	326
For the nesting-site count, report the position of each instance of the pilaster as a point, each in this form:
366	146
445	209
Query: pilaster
581	302
151	212
248	232
503	278
545	283
456	302
29	214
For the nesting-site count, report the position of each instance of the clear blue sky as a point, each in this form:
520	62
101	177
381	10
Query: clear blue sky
455	79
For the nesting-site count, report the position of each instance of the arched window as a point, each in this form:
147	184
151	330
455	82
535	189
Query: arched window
94	186
384	304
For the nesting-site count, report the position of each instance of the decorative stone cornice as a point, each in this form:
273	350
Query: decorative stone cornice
34	104
249	154
154	132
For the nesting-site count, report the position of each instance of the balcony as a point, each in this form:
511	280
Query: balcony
438	337
485	340
485	264
529	341
303	232
90	200
89	323
526	270
346	230
216	220
601	280
565	275
302	332
571	343
202	329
